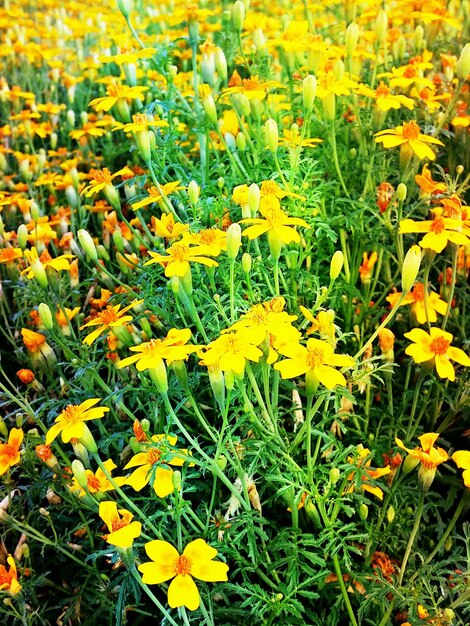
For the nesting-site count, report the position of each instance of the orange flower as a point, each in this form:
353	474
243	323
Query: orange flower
428	456
410	139
367	266
10	452
9	579
417	300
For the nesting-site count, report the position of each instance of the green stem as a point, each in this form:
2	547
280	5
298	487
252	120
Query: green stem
344	591
411	540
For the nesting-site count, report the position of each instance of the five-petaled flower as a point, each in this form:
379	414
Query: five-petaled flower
410	139
439	231
10	451
179	255
70	423
111	318
122	530
435	346
196	561
424	308
317	360
427	456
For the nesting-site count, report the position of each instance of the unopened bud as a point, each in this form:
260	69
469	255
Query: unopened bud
22	236
176	480
246	262
409	464
271	134
363	511
381	26
125	6
335	475
79	472
401	192
238	15
336	265
193	192
410	268
221	64
463	64
419	38
351	38
240	142
234	240
254	196
390	514
46	316
88	245
309	91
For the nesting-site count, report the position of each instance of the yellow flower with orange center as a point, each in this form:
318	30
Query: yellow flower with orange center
111	317
427	456
9	578
423	309
70	423
97	482
368	475
116	92
439	231
410	136
196	561
179	256
156	194
435	347
122	530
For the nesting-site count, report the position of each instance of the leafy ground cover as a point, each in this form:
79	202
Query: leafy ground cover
234	258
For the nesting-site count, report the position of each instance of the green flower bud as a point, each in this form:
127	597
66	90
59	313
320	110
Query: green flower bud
401	192
80	474
238	15
125	6
234	240
351	38
176	480
87	244
335	475
246	262
336	265
463	64
410	268
363	511
271	134
309	91
46	316
390	514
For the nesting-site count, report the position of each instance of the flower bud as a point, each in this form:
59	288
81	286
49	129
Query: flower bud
329	106
419	38
409	464
426	476
125	6
410	268
79	472
176	480
351	38
221	462
401	192
240	142
386	342
88	440
159	378
336	265
234	240
238	15
193	192
254	196
363	511
87	244
390	514
208	103
46	455
22	236
46	316
271	134
463	64
246	262
309	91
381	26
221	64
335	475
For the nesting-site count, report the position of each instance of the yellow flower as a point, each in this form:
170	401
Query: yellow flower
122	530
384	98
70	423
102	178
166	226
153	352
234	348
427	455
214	238
410	137
9	579
179	255
60	263
462	460
435	346
156	194
439	231
196	561
97	482
153	465
111	317
323	324
416	298
317	360
369	474
251	87
10	451
116	92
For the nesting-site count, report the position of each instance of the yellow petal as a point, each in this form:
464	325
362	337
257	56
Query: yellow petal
124	537
183	592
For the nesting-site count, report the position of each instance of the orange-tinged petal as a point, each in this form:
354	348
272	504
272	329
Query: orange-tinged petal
108	513
183	592
15	438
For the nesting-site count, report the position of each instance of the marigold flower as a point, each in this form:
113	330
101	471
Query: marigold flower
10	451
177	260
234	348
435	346
196	561
462	460
153	465
122	530
26	376
369	474
70	423
427	455
417	300
9	578
156	194
317	360
409	135
101	179
60	263
384	98
439	231
111	318
116	92
367	266
166	226
96	482
153	352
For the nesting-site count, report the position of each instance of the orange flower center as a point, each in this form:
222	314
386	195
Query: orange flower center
382	90
9	451
108	316
182	566
410	72
315	358
153	456
418	292
410	130
269	188
438	225
118	524
439	345
5	579
71	414
208	236
102	176
93	483
251	84
179	252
